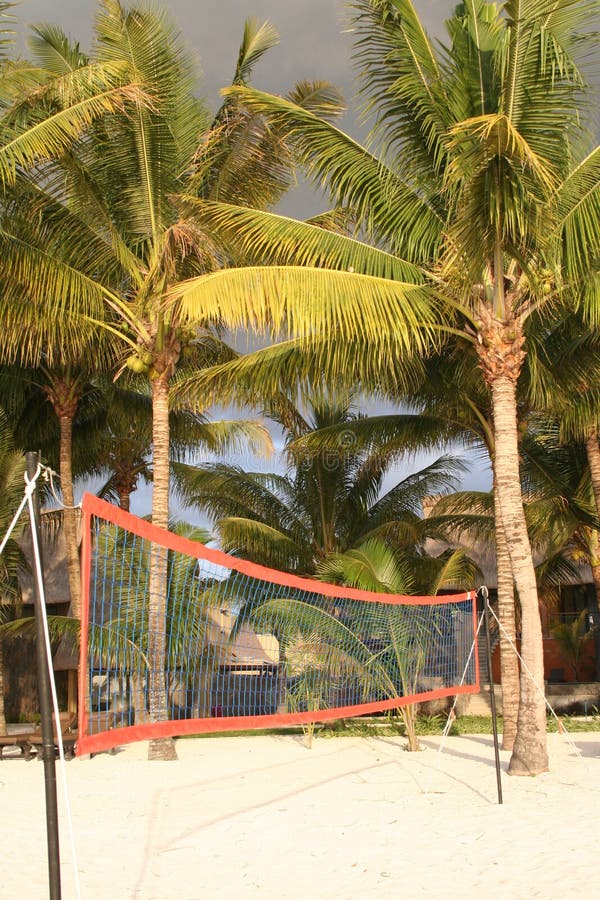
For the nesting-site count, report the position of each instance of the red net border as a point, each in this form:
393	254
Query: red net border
94	506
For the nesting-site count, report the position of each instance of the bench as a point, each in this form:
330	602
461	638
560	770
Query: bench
30	741
21	740
69	734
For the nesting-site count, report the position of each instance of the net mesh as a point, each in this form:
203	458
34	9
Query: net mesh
180	639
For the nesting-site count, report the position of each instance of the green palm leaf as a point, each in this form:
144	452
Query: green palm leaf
308	300
83	97
379	199
273	239
397	62
372	567
257	40
54	50
578	213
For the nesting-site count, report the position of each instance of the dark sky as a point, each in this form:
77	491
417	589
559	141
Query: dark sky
312	44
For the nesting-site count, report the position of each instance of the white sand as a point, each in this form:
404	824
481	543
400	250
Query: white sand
350	819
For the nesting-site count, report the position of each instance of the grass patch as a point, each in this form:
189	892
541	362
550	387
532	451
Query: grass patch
378	727
253	732
390	726
575	723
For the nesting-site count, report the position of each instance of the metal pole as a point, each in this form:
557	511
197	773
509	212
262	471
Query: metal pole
486	614
45	698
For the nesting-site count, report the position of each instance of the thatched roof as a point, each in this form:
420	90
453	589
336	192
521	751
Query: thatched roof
54	561
484	554
56	581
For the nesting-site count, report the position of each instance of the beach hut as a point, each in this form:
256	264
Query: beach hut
568	600
21	694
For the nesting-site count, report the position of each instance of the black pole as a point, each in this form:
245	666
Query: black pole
45	698
486	614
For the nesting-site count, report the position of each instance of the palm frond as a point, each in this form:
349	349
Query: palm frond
35	280
235	436
541	73
401	73
82	97
308	300
54	50
388	436
456	570
264	543
268	372
408	495
578	213
257	40
372	567
6	27
223	490
390	210
150	150
318	97
274	239
477	33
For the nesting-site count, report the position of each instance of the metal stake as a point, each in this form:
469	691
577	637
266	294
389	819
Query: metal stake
486	607
45	695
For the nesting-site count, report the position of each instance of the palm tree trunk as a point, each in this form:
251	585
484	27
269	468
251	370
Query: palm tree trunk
596	579
592	448
2	712
126	479
160	748
530	755
509	664
71	515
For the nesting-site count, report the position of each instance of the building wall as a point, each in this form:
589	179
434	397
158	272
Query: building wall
556	667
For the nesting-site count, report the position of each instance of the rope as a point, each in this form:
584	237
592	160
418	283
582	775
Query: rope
451	716
560	724
449	720
31	484
28	491
50	477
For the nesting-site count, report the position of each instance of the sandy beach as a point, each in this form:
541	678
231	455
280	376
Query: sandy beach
351	818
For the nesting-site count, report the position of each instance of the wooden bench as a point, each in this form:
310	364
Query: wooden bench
20	739
30	741
69	734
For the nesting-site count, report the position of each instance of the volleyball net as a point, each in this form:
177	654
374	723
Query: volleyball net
178	638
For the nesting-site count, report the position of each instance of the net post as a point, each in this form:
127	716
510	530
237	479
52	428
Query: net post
483	591
44	691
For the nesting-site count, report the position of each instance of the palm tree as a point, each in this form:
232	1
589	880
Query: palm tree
46	401
453	390
330	499
119	192
375	567
115	440
565	514
559	507
573	419
485	183
112	436
70	94
83	94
